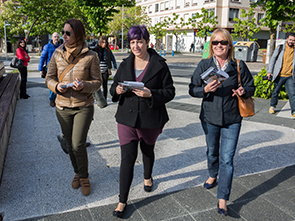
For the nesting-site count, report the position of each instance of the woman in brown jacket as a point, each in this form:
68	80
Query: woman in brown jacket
74	104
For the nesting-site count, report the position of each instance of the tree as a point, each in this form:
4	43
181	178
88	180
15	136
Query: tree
100	12
38	17
177	27
275	11
131	16
159	30
246	26
289	28
205	25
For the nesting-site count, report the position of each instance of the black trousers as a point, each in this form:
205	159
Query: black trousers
105	78
23	83
128	158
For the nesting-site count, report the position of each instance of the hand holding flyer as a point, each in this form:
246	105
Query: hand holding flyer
212	74
129	85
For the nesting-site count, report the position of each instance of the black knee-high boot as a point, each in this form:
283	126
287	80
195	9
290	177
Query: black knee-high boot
128	158
148	158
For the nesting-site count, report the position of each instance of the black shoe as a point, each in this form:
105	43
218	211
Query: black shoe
87	144
119	214
149	188
63	143
24	96
221	211
209	186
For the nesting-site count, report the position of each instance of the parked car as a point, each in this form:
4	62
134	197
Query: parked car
113	47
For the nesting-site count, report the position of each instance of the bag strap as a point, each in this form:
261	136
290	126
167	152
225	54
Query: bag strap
69	68
239	73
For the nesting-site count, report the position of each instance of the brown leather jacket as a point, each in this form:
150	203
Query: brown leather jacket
86	70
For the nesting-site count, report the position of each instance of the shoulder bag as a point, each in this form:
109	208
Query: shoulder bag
246	104
16	63
69	68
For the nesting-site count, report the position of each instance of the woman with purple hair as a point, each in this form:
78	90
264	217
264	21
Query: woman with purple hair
141	113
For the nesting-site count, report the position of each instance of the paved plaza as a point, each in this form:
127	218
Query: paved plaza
37	176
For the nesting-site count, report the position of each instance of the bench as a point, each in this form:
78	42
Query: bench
9	88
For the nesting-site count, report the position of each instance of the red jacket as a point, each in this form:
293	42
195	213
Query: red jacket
21	54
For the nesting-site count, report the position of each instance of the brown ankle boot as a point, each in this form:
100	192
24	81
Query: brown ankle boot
85	186
76	181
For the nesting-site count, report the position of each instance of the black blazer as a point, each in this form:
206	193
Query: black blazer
142	112
220	107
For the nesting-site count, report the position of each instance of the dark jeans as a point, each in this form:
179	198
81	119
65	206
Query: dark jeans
290	87
75	124
221	148
23	83
128	158
105	77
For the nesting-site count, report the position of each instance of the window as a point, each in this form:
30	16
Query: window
209	1
195	2
171	3
162	6
259	17
150	10
156	7
178	3
185	17
209	12
233	13
193	15
166	5
187	3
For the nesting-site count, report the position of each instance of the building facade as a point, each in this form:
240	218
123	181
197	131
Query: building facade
226	10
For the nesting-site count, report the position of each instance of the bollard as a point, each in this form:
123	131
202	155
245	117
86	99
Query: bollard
164	52
172	53
160	53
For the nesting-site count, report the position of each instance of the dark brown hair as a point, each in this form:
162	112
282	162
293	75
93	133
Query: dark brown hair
18	44
78	29
101	39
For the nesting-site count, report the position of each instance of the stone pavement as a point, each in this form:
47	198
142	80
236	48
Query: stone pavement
36	182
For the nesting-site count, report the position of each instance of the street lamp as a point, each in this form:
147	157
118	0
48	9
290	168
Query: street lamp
122	42
5	38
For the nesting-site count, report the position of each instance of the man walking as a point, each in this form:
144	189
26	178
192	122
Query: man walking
281	69
45	58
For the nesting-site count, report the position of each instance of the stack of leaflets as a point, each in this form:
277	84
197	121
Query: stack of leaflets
129	85
212	74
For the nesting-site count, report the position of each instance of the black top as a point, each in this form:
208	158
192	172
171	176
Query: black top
142	112
220	107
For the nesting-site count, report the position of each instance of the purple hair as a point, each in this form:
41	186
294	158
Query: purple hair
138	32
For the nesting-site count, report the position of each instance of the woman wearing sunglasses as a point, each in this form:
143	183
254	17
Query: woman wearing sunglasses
74	103
220	117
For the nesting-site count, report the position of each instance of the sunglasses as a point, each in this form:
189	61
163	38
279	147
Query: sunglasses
221	42
67	33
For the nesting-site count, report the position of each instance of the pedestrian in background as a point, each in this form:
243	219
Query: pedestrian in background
192	47
22	53
74	104
281	70
141	113
45	57
106	57
220	117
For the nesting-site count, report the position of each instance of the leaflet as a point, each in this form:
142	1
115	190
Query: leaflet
129	85
212	74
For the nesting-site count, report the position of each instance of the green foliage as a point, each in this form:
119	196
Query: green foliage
204	22
100	12
289	28
159	30
246	26
177	26
264	88
131	16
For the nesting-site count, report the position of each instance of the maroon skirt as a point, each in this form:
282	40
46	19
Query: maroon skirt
127	134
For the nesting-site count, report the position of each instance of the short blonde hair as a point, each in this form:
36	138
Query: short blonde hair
227	37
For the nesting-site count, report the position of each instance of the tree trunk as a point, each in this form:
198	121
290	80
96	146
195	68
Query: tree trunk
28	34
272	43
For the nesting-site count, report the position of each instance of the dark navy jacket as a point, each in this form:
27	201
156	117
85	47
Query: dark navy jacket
142	112
220	107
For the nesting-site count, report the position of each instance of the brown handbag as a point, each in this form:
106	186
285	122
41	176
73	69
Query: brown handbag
246	104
